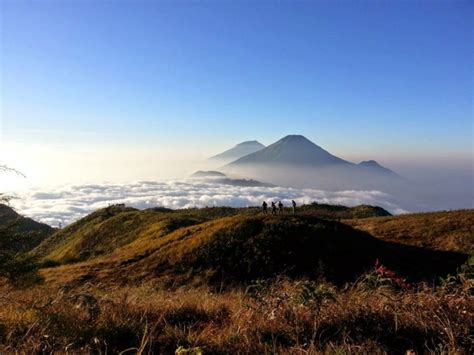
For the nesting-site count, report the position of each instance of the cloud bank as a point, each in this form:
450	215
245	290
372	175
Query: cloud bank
69	203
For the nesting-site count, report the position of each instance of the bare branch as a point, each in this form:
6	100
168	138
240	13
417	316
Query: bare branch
6	169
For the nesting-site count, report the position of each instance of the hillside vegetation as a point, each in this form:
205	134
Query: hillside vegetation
19	234
451	231
225	245
282	317
107	229
225	280
343	212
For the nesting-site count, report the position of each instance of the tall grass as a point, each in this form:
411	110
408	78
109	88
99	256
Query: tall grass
282	316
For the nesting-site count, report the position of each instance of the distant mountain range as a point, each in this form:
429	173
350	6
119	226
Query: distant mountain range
239	151
291	150
218	177
207	174
298	151
297	162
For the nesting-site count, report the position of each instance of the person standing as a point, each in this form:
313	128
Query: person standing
274	208
264	207
294	206
280	207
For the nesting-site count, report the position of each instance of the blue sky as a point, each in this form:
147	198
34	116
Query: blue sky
358	78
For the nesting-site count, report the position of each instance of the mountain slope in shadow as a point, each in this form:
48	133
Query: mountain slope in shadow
20	234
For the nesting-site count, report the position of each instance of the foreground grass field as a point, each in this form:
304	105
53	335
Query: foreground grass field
224	280
283	316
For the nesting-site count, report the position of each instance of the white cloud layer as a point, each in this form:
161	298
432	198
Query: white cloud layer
67	204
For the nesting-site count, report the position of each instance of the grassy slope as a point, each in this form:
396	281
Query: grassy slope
19	234
343	212
241	248
287	316
450	231
110	228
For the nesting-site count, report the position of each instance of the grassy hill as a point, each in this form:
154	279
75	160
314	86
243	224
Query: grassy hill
446	230
19	234
110	228
105	230
224	280
225	245
343	212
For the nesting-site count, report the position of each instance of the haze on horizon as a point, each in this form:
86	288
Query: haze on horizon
101	91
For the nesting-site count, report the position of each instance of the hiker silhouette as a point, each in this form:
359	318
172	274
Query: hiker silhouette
264	207
294	205
280	207
274	208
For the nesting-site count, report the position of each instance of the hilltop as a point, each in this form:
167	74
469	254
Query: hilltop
445	230
109	228
19	234
343	212
226	245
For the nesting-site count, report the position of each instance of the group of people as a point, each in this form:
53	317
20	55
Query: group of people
274	207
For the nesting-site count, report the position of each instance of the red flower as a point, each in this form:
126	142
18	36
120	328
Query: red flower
384	272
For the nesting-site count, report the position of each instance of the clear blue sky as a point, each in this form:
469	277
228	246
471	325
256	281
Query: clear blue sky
365	75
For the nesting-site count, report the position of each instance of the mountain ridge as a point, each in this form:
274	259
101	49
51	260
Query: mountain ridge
238	151
292	150
20	234
374	165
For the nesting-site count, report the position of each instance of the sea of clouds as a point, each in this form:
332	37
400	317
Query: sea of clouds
69	203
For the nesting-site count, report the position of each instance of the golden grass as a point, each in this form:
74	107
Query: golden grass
113	300
281	317
241	248
450	231
108	229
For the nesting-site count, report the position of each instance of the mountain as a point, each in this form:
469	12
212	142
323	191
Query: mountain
220	178
297	162
238	151
372	165
291	150
208	174
19	234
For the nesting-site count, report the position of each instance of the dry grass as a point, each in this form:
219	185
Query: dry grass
108	229
241	248
449	231
145	286
284	316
